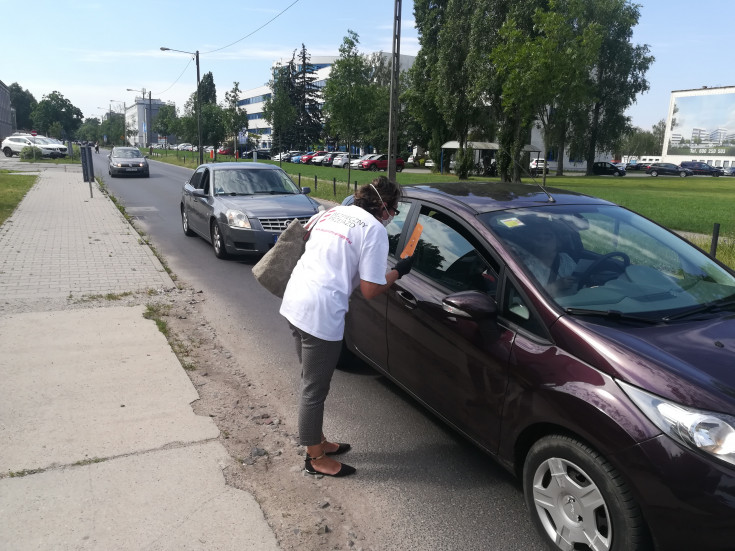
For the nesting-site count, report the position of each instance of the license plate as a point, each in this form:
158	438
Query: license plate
131	169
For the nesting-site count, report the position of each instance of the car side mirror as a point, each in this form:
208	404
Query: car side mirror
306	190
198	193
472	305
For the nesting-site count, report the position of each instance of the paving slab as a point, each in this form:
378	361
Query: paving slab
92	383
173	499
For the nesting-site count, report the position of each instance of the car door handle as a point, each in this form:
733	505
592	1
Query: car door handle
409	301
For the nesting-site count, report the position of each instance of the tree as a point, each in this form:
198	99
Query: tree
56	108
557	55
235	119
617	77
208	89
420	98
166	121
306	95
280	108
90	130
347	93
24	103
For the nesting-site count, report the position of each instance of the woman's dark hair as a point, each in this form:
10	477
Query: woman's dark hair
369	199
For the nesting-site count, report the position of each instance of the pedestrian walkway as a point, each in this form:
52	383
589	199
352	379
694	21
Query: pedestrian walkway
100	446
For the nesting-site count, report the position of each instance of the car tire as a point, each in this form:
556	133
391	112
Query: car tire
682	174
558	502
399	168
8	152
374	168
185	223
218	242
654	173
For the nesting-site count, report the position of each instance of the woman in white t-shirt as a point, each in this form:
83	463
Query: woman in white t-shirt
347	248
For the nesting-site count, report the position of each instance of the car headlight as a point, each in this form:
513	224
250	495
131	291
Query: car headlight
237	219
705	431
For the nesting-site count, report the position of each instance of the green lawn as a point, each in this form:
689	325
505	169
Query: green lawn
13	188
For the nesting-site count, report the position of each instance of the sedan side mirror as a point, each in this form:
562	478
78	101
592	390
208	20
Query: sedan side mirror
306	190
472	305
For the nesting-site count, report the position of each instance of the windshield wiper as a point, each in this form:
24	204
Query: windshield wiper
609	314
274	192
713	306
232	193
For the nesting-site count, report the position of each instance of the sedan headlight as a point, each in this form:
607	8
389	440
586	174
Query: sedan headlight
705	431
237	219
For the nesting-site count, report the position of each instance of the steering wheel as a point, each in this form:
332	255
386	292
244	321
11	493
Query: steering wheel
592	268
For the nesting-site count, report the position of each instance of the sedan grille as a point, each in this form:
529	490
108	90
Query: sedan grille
280	224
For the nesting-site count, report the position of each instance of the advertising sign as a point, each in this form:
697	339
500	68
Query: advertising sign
702	123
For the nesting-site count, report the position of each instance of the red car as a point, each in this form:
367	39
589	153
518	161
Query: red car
224	150
380	163
306	159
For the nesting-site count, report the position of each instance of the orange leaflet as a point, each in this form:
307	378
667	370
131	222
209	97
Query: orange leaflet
412	241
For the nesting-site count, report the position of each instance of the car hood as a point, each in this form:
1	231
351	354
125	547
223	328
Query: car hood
690	362
128	159
272	206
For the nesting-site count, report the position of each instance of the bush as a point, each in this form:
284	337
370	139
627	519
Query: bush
29	152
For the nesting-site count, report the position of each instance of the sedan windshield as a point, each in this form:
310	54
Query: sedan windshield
611	260
249	182
127	153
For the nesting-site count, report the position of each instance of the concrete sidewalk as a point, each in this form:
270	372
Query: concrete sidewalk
100	446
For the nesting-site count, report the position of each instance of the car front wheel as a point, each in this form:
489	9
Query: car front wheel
374	168
578	500
682	174
218	241
654	173
185	223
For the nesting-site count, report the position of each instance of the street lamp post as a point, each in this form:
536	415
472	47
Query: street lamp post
148	114
199	104
125	126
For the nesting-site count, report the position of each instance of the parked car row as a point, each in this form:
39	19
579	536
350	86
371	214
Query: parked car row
684	169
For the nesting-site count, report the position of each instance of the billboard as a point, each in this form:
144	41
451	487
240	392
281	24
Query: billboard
702	123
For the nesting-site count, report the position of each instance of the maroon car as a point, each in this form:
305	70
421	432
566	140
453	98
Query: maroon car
380	162
587	349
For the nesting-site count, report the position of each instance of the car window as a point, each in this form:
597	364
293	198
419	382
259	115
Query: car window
447	254
396	226
608	258
196	179
516	310
250	182
204	183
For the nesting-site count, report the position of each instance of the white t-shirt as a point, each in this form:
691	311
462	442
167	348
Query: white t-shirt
346	245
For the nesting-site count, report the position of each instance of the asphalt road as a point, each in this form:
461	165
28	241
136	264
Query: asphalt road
431	488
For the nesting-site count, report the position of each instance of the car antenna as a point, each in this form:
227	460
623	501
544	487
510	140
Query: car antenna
551	199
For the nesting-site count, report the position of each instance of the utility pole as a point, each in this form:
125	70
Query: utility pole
394	107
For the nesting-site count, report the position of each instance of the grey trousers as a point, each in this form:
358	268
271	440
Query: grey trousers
318	359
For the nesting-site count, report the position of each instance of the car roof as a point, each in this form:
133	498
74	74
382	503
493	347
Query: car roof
494	196
240	166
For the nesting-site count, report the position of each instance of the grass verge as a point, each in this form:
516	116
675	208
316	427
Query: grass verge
13	187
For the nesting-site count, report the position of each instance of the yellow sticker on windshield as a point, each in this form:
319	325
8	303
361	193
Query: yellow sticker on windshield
511	222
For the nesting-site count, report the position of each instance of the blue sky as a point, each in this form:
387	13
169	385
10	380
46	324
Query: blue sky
92	51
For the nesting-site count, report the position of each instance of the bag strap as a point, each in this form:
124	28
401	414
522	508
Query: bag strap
311	227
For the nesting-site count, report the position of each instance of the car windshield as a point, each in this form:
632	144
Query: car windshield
249	182
606	258
127	153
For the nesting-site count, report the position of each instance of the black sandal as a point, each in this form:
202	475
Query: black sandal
344	470
342	448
